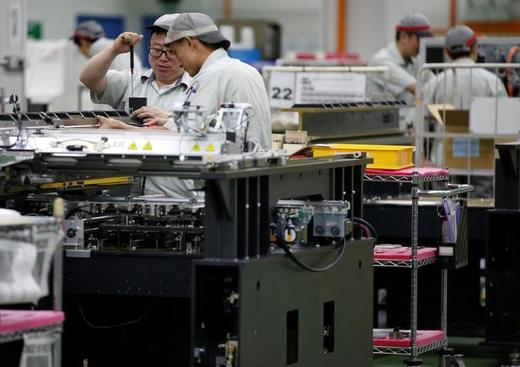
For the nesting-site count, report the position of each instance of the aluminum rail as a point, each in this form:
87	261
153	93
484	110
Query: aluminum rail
456	190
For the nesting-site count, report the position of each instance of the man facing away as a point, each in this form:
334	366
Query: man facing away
457	86
90	38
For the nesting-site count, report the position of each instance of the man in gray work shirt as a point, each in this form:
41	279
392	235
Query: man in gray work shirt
218	78
164	85
400	57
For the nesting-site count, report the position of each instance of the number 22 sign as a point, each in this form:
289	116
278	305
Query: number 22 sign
281	89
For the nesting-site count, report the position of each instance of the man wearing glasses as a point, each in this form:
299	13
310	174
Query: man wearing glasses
163	85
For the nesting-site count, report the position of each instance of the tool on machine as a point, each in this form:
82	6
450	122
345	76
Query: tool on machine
134	103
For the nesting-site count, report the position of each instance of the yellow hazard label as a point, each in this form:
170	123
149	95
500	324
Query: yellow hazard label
133	146
147	146
196	148
210	148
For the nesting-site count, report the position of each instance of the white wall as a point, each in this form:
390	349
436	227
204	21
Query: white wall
58	19
305	23
371	23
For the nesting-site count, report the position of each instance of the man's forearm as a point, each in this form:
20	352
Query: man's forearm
94	73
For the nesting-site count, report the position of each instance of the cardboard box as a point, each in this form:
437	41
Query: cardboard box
463	152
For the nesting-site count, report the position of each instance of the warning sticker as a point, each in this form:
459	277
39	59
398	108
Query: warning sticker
147	146
196	148
210	148
133	146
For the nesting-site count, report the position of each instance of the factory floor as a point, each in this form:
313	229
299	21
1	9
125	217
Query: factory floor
475	355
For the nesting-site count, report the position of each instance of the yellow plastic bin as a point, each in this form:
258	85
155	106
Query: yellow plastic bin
385	156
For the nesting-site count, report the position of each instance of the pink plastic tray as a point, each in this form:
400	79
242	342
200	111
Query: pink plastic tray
17	320
403	253
424	337
422	171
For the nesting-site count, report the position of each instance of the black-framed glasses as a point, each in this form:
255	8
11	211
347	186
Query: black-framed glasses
157	52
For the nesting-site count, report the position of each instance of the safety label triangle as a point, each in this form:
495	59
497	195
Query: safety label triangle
133	146
196	147
147	146
210	148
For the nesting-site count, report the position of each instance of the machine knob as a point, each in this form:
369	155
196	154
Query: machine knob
71	232
320	230
334	230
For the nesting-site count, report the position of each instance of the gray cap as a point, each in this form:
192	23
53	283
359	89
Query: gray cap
163	23
89	29
196	25
415	23
460	39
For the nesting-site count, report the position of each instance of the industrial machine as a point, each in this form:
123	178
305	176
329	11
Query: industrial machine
240	262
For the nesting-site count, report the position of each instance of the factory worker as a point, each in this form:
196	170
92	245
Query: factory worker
400	57
457	86
90	38
164	85
201	48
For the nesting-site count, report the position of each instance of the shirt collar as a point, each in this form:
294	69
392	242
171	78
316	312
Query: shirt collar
184	80
217	54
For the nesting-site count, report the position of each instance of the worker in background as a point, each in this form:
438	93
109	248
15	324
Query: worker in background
400	57
201	48
164	85
90	38
457	86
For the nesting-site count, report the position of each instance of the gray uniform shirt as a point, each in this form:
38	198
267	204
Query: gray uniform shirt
224	79
401	74
457	86
116	94
118	90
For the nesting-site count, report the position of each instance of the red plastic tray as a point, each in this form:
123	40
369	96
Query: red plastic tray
422	171
403	253
424	337
18	320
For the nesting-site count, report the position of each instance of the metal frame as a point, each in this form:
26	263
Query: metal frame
408	351
57	289
403	263
18	335
452	190
422	134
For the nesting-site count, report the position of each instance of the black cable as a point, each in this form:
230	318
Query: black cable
78	209
112	326
370	226
301	264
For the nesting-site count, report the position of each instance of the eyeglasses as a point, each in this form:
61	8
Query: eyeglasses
157	52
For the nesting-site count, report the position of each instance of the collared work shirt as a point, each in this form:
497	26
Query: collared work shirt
224	79
457	86
401	74
116	94
118	89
